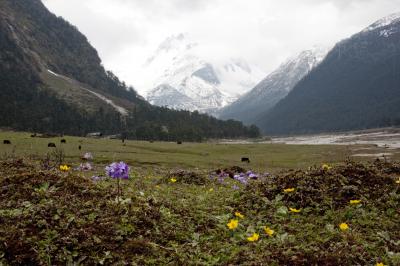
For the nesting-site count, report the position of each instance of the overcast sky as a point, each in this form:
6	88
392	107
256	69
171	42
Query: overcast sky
263	32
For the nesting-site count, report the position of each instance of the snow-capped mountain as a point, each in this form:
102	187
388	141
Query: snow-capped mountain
181	78
274	87
355	87
384	22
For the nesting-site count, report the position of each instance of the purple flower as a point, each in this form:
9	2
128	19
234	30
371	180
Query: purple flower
118	170
85	167
97	178
235	187
253	176
242	178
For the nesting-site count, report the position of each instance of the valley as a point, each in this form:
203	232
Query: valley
177	207
179	166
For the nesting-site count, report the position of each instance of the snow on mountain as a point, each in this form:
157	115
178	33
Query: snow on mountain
274	87
179	77
393	18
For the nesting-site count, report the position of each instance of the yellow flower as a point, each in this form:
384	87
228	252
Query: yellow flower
157	186
65	168
268	231
288	190
238	214
254	237
380	264
211	190
172	180
294	210
398	181
343	226
326	167
233	224
354	202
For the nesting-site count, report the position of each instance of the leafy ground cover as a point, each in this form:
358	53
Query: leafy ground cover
342	214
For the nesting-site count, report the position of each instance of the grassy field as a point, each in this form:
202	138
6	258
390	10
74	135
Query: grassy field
209	156
166	216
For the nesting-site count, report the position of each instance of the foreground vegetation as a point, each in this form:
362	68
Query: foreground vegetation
50	217
180	205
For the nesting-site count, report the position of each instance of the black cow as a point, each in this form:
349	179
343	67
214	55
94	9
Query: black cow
179	142
80	147
51	145
6	141
245	159
63	141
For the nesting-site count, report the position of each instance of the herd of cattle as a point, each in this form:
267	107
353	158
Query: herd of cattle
64	141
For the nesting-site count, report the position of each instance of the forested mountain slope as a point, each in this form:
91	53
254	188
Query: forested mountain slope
52	80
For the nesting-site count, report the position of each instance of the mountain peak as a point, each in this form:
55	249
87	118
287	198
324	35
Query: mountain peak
207	84
383	22
275	86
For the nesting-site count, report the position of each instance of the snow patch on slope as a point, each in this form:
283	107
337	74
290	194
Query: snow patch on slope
386	21
118	108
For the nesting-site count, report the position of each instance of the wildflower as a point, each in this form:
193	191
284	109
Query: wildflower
241	178
398	181
172	180
251	175
380	264
221	178
238	214
85	167
65	168
97	178
235	187
254	237
354	202
326	167
211	190
343	226
157	186
288	190
233	224
268	231
294	210
118	170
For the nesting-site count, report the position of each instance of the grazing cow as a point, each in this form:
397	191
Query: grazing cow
63	141
179	142
33	135
6	141
123	140
51	145
80	147
245	159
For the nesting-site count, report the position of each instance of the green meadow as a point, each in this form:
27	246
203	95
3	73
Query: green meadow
170	212
169	155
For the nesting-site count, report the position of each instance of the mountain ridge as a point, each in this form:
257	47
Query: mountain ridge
357	86
53	81
274	87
